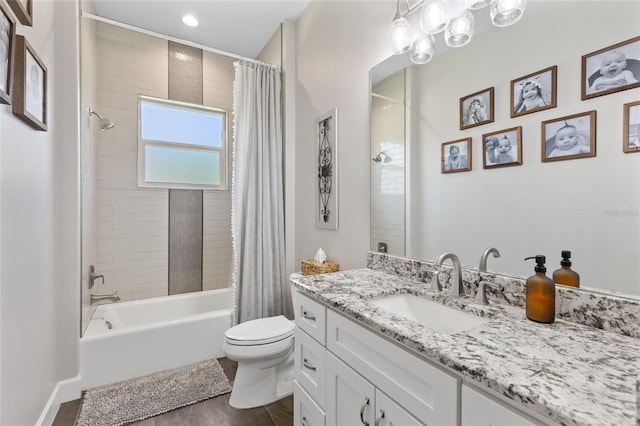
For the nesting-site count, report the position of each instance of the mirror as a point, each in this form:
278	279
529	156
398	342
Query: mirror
590	206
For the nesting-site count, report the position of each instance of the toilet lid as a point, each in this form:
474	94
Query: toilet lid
260	331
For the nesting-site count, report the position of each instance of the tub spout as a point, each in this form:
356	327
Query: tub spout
95	298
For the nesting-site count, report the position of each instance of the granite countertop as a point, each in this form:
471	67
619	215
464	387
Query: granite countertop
569	373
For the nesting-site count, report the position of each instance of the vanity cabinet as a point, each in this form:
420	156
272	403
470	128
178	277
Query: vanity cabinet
479	409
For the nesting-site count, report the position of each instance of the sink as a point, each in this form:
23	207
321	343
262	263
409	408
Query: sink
430	314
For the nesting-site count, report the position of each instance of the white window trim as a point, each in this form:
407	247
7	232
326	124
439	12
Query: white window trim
142	143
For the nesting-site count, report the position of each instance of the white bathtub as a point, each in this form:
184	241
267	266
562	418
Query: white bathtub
153	334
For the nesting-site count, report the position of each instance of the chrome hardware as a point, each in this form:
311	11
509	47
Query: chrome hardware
93	276
379	420
437	287
307	316
95	298
481	296
307	365
457	289
362	408
485	254
304	420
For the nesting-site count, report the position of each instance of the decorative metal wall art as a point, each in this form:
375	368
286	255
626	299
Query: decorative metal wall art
327	184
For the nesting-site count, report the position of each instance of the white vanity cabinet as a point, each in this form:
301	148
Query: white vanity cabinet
479	409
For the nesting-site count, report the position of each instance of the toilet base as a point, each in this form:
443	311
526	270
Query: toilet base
258	384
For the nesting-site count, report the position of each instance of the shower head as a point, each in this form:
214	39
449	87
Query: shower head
105	123
378	158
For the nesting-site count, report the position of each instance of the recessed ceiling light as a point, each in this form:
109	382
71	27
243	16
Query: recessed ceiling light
190	20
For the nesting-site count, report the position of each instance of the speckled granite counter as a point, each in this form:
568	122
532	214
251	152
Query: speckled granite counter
569	373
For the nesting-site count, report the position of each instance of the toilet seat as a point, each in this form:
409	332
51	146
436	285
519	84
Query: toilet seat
260	331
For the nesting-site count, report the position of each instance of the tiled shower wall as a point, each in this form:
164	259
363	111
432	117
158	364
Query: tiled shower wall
132	222
387	176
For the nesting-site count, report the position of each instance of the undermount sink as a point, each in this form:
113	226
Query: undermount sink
430	314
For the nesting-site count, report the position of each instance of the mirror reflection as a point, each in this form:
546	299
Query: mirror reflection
589	205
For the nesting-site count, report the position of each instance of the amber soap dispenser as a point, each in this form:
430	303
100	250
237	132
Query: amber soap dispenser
541	294
565	275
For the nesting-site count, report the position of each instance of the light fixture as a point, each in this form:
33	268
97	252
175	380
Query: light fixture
104	123
454	17
400	33
507	12
460	29
190	20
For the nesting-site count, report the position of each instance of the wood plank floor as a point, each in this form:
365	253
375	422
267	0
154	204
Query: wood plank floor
212	412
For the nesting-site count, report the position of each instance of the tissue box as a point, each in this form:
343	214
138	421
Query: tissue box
309	267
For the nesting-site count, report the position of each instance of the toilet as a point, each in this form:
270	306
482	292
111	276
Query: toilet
263	349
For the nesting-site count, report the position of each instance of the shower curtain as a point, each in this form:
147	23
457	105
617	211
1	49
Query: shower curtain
257	216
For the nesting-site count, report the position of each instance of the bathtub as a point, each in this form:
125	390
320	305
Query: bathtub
131	339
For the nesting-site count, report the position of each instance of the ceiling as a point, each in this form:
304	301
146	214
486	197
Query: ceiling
241	27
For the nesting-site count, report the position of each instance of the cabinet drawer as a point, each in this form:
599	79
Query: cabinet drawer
388	413
481	410
305	411
309	315
311	366
427	392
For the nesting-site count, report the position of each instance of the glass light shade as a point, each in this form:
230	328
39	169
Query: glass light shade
477	4
434	16
507	12
460	29
400	36
422	49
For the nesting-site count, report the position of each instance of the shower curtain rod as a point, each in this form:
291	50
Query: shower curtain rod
174	39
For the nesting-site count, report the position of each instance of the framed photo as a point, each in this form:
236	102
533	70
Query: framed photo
631	131
534	92
476	109
7	48
23	10
327	183
456	156
29	86
611	69
502	148
572	136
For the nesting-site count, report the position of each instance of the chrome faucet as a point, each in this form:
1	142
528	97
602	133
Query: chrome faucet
95	298
456	286
485	254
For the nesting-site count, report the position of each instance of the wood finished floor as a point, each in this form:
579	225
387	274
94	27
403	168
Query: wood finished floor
212	412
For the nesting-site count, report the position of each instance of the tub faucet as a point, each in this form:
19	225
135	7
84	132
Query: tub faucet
93	276
95	298
456	286
485	254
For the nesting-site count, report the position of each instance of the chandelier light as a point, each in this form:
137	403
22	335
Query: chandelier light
454	17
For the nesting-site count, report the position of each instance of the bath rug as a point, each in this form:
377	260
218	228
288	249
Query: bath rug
136	399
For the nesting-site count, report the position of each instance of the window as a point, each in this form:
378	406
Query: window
181	145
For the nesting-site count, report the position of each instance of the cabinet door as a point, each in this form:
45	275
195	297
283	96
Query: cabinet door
481	410
350	398
305	411
310	369
388	413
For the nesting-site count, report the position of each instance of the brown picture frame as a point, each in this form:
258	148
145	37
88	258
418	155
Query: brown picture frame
534	92
603	73
454	162
29	86
7	54
476	109
496	151
23	12
578	129
631	129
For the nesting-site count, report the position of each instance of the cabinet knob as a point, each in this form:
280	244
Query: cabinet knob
307	316
308	365
362	408
380	418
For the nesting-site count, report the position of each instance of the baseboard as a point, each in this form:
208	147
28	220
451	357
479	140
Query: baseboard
65	390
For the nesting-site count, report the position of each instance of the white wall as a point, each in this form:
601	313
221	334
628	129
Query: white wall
535	208
39	315
337	43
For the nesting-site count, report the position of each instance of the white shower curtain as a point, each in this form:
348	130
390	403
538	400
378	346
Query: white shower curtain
257	217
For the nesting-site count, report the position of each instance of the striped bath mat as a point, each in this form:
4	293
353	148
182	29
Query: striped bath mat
143	397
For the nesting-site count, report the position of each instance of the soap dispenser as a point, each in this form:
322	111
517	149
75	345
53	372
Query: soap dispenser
541	294
565	275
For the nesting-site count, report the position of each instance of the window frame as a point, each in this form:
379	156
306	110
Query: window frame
143	143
